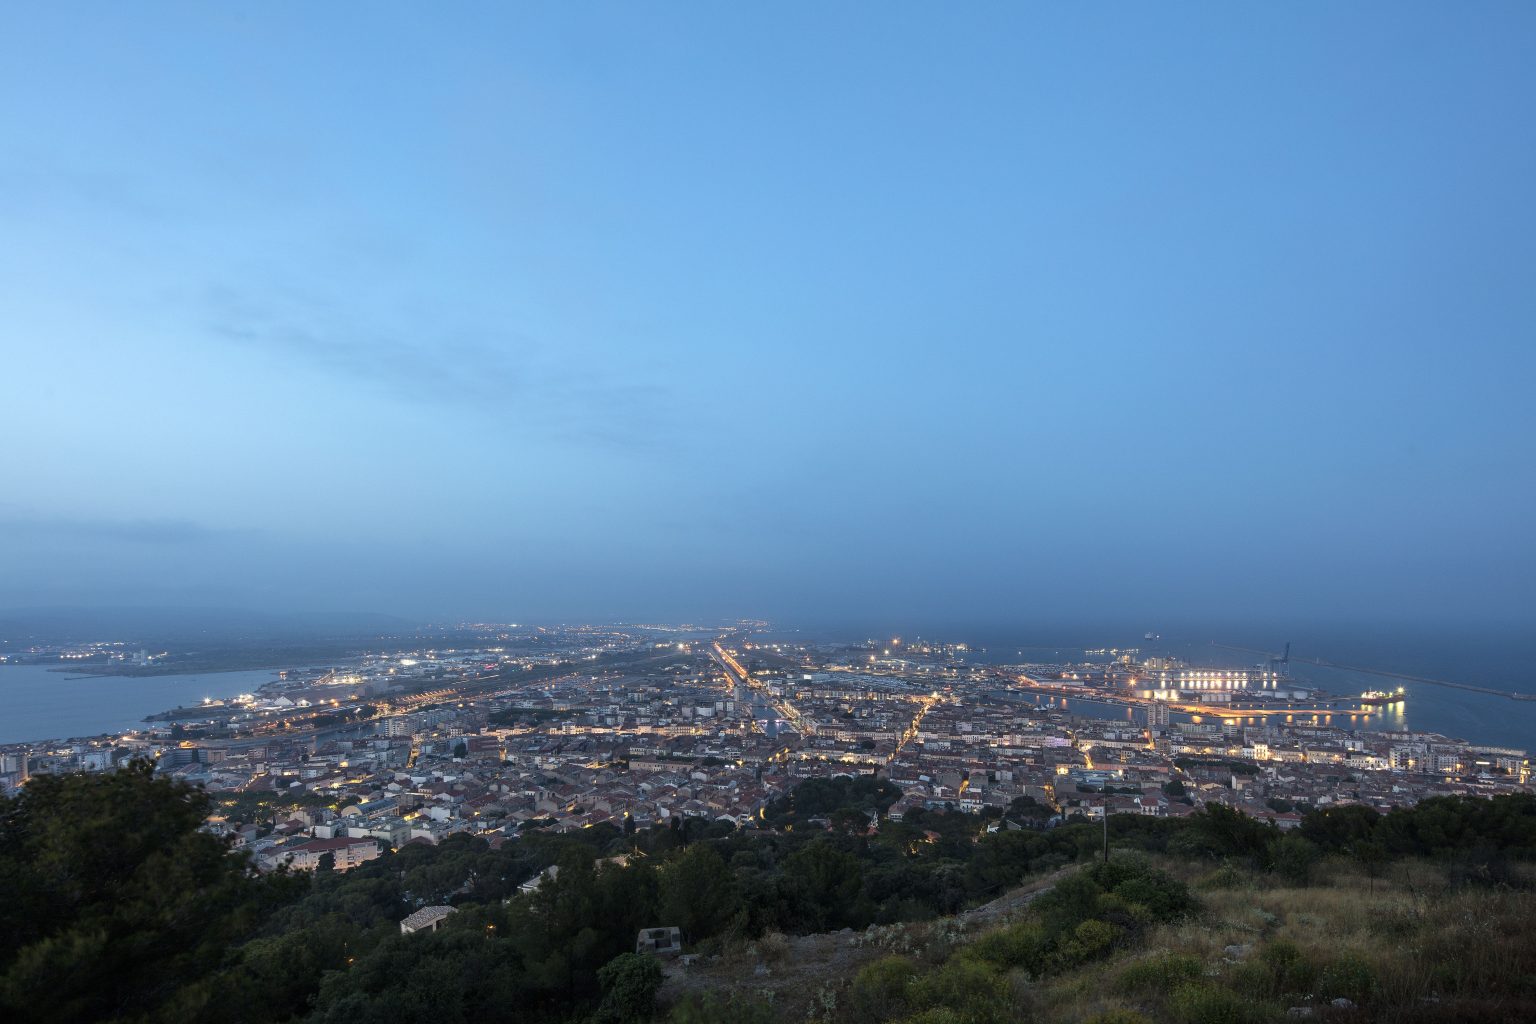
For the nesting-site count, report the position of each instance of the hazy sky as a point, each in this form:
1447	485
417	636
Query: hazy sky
1003	311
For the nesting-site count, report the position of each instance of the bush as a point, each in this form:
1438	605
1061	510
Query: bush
1349	975
1291	969
773	947
1207	1004
937	1015
1251	977
879	990
1088	941
1118	1017
1020	945
973	990
1228	876
1160	973
1085	917
711	1009
1280	970
1292	858
630	982
1164	898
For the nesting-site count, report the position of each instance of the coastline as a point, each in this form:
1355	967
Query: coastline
70	674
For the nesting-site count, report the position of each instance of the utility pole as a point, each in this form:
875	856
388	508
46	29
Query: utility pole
1106	832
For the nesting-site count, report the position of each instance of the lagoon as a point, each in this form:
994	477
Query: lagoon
37	703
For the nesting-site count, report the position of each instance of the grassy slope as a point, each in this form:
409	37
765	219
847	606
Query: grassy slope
1404	947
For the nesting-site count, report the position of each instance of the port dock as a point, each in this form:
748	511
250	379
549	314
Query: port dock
1510	694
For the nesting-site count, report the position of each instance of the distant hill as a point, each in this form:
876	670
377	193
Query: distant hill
72	624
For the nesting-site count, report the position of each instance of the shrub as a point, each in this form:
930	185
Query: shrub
1279	969
630	982
1088	941
973	990
937	1015
1072	900
1085	917
1254	977
711	1009
1293	972
1292	858
879	990
773	947
1165	898
1020	945
1228	876
1207	1004
1349	975
1118	1017
1160	973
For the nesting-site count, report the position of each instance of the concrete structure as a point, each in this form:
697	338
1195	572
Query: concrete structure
425	920
660	941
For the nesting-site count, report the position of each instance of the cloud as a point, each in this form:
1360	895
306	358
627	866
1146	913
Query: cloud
499	375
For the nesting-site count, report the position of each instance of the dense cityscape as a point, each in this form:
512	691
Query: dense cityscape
566	728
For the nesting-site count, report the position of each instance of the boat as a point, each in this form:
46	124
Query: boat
1380	698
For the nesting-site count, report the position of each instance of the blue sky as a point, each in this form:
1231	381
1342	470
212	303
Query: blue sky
999	312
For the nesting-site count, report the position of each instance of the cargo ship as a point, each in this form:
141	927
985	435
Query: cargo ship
1380	698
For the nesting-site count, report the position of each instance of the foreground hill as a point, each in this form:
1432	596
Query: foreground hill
121	907
792	977
1156	939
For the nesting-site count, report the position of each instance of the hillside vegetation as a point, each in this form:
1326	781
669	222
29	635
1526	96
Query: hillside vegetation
119	907
1156	939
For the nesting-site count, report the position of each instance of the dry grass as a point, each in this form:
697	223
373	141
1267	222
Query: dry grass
1408	947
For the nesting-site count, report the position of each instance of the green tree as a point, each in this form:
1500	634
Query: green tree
697	892
1219	831
1373	857
1292	858
116	902
630	982
1339	828
826	882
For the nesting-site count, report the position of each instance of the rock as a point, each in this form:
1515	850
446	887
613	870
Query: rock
1343	1004
1299	1011
761	970
1238	952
